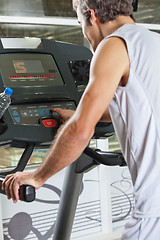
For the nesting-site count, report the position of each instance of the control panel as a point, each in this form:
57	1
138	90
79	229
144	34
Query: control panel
31	114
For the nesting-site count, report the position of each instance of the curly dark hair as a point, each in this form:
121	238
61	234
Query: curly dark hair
105	10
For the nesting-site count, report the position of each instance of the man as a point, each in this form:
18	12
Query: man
124	81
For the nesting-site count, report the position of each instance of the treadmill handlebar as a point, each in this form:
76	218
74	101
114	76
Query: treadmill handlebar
26	192
106	158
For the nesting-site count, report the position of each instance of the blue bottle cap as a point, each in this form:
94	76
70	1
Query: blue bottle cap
8	91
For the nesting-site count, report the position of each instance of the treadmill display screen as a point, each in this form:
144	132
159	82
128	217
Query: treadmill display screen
30	69
28	66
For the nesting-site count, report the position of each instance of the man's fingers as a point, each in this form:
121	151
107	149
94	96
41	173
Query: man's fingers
11	187
14	190
65	114
57	110
7	183
4	181
60	112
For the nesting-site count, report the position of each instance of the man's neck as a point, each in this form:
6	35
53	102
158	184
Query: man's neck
111	26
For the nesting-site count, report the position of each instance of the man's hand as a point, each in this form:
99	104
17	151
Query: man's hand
12	183
65	114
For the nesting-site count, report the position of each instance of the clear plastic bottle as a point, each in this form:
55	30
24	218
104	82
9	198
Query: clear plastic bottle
5	100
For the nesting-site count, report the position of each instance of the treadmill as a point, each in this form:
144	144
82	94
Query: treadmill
45	74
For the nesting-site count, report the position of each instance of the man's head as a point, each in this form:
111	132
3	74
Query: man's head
99	18
105	10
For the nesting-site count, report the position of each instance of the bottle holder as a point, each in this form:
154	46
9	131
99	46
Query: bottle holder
3	126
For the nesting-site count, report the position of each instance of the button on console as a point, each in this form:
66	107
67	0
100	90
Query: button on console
49	123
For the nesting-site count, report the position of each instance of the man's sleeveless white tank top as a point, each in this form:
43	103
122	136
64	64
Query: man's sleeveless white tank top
135	112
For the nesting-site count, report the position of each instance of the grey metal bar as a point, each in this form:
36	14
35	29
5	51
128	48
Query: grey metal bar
68	203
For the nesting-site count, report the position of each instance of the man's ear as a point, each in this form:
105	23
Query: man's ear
93	17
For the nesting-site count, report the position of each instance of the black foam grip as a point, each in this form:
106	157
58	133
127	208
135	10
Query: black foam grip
27	193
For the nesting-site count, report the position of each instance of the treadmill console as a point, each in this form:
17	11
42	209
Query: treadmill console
43	74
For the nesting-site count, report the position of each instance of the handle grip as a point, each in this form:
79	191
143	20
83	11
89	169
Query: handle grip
26	192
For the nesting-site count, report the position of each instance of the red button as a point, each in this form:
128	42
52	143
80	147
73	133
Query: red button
49	123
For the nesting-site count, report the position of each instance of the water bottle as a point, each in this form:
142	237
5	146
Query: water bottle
5	100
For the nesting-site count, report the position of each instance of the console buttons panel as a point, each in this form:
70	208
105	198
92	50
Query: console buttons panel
30	114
